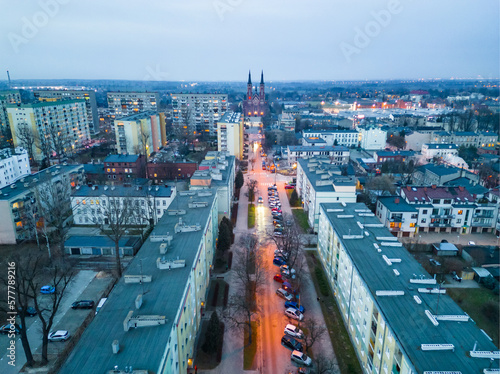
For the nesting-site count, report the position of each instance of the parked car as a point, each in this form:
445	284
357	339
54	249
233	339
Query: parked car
434	262
472	242
284	295
47	289
30	311
289	187
278	261
294	331
59	336
83	304
294	313
288	287
294	305
278	233
287	268
291	343
278	278
301	358
277	222
9	328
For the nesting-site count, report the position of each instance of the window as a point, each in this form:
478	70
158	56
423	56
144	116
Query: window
460	212
423	220
424	211
459	221
412	224
392	224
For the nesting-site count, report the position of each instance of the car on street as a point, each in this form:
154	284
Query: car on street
301	358
47	289
294	313
278	278
472	242
294	305
30	311
284	295
277	222
278	261
287	268
289	187
9	328
277	210
288	287
291	343
58	336
434	262
278	233
83	304
260	200
294	331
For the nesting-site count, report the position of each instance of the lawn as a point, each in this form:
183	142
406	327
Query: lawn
251	216
301	219
250	350
344	350
481	305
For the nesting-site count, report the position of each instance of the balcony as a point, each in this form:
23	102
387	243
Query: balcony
443	216
438	224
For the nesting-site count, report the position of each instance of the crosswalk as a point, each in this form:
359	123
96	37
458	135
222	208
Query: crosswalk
266	184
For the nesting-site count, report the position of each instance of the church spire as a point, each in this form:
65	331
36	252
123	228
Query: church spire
262	77
249	78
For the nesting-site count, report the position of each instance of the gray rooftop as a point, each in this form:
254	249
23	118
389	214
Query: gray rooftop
320	169
137	116
442	146
122	190
101	241
218	166
144	347
321	148
122	158
396	204
406	318
231	117
45	103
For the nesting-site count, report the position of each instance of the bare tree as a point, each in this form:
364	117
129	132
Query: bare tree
26	139
315	332
57	141
252	189
325	365
249	272
467	121
42	142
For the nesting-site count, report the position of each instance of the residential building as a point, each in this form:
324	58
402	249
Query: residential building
152	316
372	137
14	164
122	104
255	104
286	121
101	245
347	138
160	172
439	175
397	215
319	181
7	97
338	155
392	156
397	316
216	171
19	205
64	95
198	112
91	204
138	134
120	169
59	127
429	151
230	130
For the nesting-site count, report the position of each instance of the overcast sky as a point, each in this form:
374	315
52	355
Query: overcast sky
215	40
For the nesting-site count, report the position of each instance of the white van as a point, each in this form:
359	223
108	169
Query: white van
101	303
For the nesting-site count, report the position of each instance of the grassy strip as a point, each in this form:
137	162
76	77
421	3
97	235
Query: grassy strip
251	216
481	305
301	219
344	350
250	350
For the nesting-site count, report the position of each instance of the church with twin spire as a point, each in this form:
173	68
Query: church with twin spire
255	104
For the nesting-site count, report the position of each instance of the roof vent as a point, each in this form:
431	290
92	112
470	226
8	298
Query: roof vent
437	347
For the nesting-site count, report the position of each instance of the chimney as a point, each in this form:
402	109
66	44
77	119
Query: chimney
461	188
396	200
408	188
425	189
433	186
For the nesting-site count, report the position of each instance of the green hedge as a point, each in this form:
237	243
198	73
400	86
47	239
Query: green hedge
251	216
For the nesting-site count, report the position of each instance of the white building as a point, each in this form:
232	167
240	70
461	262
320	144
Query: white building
199	112
87	95
13	165
286	121
338	155
347	138
397	215
372	137
92	204
63	125
318	181
138	134
123	104
429	151
230	134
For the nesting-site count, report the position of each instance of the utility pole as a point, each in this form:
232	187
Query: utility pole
8	77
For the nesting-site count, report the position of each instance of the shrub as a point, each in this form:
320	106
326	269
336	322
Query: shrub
226	295
322	282
216	294
213	335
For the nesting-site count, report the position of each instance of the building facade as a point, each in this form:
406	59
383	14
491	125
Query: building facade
59	128
230	134
14	164
139	134
198	112
372	137
161	172
338	155
120	169
122	104
7	97
398	318
346	138
255	104
62	95
429	151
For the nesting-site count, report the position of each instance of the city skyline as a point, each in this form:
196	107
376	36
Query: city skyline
221	39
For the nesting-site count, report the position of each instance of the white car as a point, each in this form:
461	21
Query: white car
59	335
294	331
301	358
294	313
472	243
284	294
285	269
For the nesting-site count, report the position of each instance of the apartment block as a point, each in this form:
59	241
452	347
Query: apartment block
347	138
318	181
64	95
92	204
120	169
399	319
152	316
429	151
139	133
198	112
122	104
59	127
7	97
230	134
372	137
19	205
14	164
338	155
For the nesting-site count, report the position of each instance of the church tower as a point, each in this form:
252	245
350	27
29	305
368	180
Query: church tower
262	93
249	87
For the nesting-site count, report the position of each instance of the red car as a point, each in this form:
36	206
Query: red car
278	278
288	187
277	210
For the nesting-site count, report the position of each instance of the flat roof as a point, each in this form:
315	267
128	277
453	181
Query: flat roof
441	146
137	116
406	319
319	148
206	168
231	117
315	140
396	204
121	158
143	347
122	191
100	241
45	103
316	167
